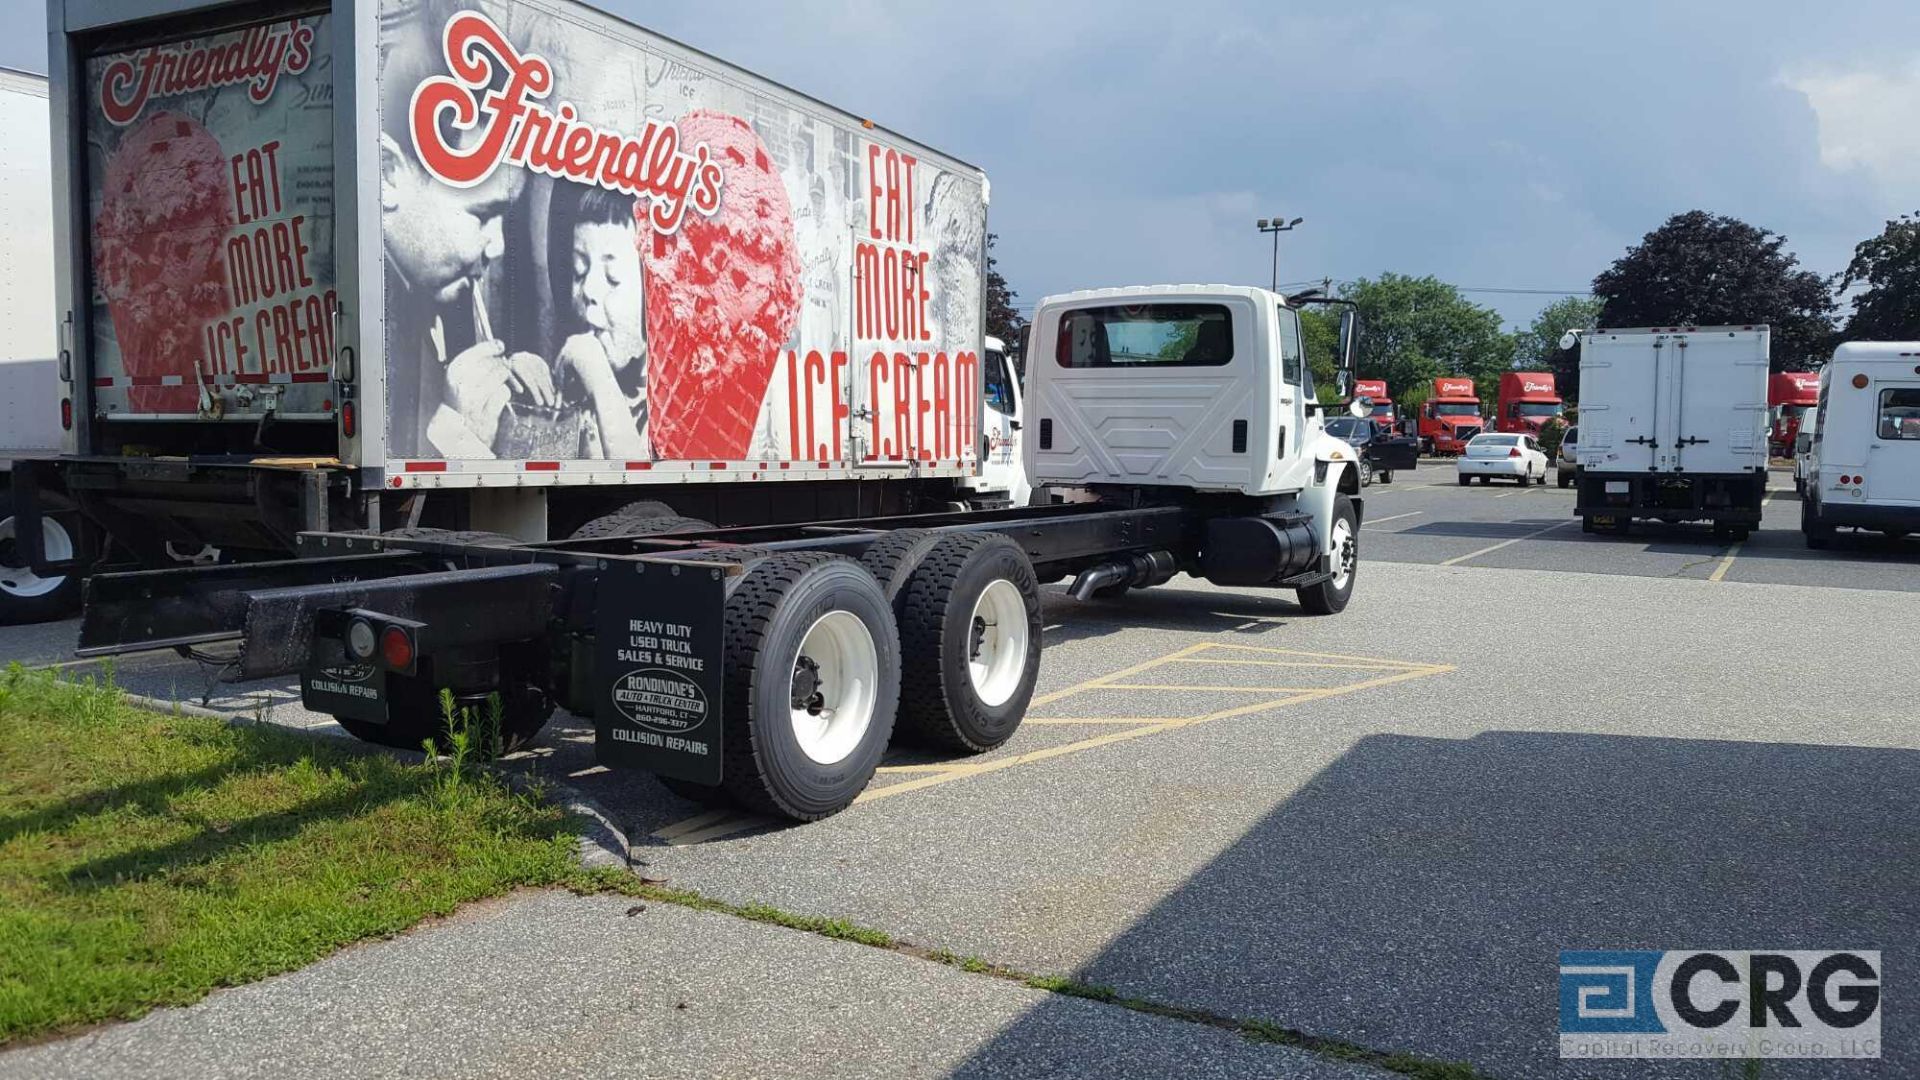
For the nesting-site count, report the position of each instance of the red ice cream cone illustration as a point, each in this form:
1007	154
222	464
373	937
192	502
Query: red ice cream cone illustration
723	294
165	212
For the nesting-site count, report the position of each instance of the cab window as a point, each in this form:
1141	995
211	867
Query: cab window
1291	352
999	384
1146	335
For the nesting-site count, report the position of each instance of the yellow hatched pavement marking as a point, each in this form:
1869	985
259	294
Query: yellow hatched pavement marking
720	824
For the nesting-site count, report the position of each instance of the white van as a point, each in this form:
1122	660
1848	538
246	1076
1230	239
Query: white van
1863	470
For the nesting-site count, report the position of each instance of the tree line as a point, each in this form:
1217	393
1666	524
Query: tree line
1696	269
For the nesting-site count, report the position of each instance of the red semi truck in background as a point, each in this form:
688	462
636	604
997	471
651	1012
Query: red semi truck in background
1376	389
1527	401
1450	416
1790	396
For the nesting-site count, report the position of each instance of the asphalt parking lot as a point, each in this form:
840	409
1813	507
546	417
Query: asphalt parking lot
1379	828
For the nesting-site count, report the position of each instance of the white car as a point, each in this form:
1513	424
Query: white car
1506	455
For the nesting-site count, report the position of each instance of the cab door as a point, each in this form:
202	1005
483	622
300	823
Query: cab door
1002	467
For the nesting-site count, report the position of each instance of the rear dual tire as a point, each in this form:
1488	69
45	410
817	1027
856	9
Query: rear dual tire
969	615
812	686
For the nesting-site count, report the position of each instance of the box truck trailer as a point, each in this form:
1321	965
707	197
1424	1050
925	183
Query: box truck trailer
1862	468
1450	417
29	413
506	265
1527	401
1673	427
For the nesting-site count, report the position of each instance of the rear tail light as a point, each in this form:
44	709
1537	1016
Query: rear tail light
396	648
66	414
1515	452
348	419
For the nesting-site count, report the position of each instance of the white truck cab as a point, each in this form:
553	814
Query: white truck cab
1863	465
1178	393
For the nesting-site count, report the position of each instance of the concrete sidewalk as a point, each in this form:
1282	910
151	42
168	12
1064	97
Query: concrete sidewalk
554	985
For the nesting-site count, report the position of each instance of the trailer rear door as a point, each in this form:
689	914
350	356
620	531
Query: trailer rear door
1713	413
1619	374
208	167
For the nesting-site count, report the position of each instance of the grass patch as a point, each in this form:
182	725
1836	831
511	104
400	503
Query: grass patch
146	859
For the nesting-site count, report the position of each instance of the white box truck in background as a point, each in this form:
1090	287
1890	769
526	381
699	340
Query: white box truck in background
1673	427
514	266
1862	469
29	382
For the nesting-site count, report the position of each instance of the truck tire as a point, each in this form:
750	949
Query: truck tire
1564	480
621	523
969	621
1463	479
1330	596
1365	470
812	683
893	558
26	597
1819	536
1385	477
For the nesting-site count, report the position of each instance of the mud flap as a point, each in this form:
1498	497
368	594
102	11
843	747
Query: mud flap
356	691
659	639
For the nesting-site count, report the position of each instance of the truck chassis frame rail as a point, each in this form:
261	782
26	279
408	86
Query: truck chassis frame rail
761	666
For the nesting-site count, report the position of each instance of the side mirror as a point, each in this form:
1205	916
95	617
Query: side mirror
1803	443
1349	351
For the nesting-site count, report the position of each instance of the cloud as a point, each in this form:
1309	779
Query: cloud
1866	121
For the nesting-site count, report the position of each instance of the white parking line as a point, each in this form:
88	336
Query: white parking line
1505	544
1396	517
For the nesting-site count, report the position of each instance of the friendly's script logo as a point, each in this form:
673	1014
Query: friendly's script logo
514	128
1720	1004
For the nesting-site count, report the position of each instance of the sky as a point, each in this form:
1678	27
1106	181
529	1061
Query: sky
1495	145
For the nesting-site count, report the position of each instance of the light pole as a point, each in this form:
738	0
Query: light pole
1276	226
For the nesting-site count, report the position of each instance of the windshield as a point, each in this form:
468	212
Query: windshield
1795	412
1448	408
1168	335
1383	410
1539	408
1347	427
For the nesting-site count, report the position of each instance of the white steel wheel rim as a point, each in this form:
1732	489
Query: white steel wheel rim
1342	554
997	643
15	578
838	657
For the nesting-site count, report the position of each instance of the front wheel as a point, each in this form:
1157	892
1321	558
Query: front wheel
1366	473
1330	597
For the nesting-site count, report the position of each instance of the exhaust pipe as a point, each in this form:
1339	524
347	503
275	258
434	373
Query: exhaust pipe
1135	571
